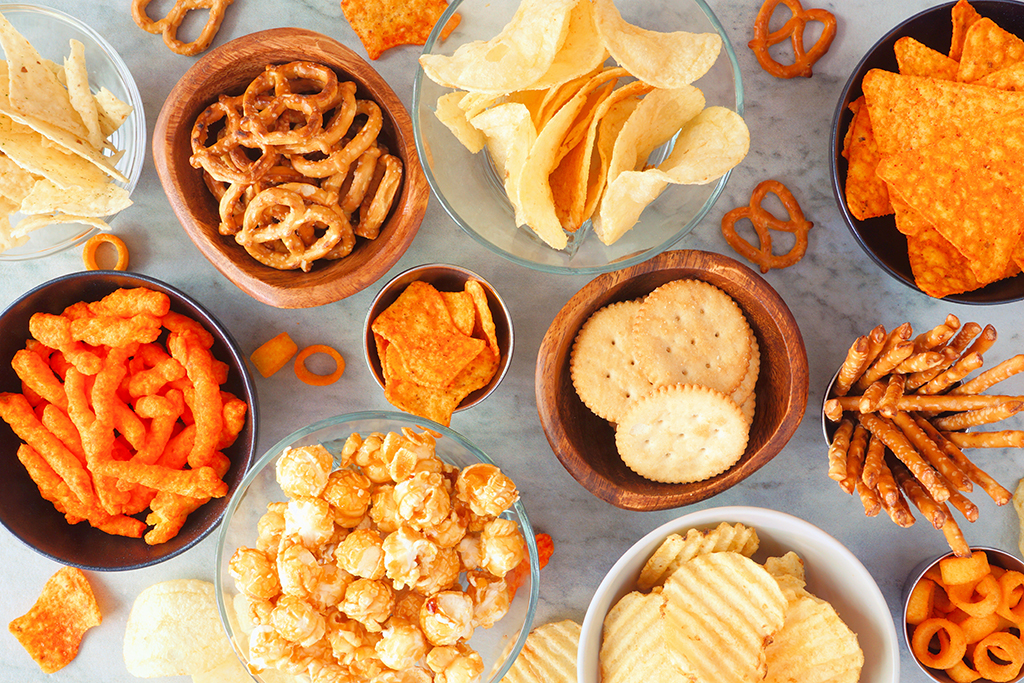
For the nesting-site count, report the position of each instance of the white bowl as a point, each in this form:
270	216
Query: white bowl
50	31
833	573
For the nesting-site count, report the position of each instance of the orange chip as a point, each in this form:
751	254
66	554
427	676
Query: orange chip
382	25
917	59
463	312
939	269
964	16
485	321
273	354
866	193
53	629
988	48
404	392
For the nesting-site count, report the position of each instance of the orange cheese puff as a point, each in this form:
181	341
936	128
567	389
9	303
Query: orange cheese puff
98	436
178	323
233	419
206	404
169	510
59	364
128	423
106	330
55	332
125	303
198	483
16	412
34	371
140	499
58	422
163	413
179	446
153	379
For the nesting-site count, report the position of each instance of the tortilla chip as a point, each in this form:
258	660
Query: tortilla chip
383	25
867	195
52	630
80	94
463	312
987	49
1007	78
112	111
964	16
46	197
403	391
971	193
939	269
34	89
28	149
7	238
917	59
15	183
908	220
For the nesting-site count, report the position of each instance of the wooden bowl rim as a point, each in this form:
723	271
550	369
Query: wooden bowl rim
563	330
248	274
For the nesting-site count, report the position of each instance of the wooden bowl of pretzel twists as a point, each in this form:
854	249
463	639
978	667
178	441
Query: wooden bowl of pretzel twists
291	165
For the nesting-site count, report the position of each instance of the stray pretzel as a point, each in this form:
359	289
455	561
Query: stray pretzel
764	222
794	30
170	24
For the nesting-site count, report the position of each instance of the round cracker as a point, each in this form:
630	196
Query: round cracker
689	331
602	366
744	393
682	433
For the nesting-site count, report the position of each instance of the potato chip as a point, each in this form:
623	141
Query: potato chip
53	629
988	48
580	53
35	92
384	25
173	629
677	549
707	147
867	195
638	643
549	654
454	117
664	60
813	646
510	136
917	59
515	59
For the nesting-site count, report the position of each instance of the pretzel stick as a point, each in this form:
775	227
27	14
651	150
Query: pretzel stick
853	367
1006	438
913	428
893	392
892	500
938	335
981	416
874	462
833	409
963	367
918	379
886	363
902	449
963	338
869	499
1008	368
955	537
855	459
898	335
876	340
919	496
948	441
961	502
919	362
939	403
838	450
984	341
871	397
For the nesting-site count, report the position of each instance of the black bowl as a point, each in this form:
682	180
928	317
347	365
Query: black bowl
878	236
34	520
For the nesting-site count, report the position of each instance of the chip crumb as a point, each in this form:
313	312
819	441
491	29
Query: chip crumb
53	629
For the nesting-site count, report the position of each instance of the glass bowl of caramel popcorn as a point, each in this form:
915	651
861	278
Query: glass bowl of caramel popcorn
380	547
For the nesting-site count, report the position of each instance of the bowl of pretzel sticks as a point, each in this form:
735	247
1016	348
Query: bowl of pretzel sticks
903	410
291	165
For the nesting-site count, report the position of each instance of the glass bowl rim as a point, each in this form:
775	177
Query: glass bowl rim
257	468
137	160
639	257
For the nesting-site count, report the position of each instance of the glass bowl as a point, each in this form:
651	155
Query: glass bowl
498	645
49	31
472	193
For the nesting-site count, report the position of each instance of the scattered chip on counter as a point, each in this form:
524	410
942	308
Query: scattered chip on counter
311	378
382	25
174	629
273	354
52	630
93	244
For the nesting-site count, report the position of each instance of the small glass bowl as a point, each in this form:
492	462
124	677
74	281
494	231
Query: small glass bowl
498	645
473	194
49	31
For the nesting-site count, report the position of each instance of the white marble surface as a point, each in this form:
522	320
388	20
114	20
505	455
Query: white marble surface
836	292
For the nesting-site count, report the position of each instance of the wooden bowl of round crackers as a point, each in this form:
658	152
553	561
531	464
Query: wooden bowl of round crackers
585	443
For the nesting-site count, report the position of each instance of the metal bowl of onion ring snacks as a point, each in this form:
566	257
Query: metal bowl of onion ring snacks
381	583
290	163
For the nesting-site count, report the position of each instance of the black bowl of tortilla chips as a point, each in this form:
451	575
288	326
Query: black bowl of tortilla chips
927	169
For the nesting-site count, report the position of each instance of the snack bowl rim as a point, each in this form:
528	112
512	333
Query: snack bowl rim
398	420
237	62
127	553
915	576
1001	292
614	263
434	273
133	161
767	523
558	404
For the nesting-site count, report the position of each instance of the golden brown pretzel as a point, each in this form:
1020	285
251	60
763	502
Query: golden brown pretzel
794	30
169	25
764	222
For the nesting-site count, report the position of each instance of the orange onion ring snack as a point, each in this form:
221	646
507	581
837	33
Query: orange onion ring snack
310	377
94	243
794	30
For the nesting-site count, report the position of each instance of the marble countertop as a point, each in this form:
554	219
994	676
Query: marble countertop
835	293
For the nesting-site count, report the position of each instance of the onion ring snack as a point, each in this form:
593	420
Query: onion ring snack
296	165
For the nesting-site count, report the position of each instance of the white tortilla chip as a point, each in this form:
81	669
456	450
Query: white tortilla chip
28	150
81	95
45	197
30	223
15	182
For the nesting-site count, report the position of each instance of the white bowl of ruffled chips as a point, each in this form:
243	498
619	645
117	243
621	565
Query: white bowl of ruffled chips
738	593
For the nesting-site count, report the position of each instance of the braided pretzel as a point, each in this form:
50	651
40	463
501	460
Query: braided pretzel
169	25
764	222
794	30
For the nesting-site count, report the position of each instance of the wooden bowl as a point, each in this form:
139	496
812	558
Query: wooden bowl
228	70
585	443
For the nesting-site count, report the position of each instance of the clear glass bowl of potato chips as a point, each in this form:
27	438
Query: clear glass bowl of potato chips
371	576
577	155
82	91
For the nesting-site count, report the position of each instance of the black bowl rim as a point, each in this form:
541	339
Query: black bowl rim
128	278
991	294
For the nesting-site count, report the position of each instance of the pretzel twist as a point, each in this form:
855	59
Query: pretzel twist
794	30
169	25
764	222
